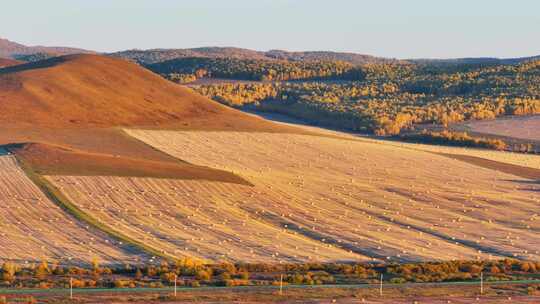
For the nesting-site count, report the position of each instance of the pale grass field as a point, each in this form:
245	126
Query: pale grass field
204	220
524	127
326	197
32	228
519	159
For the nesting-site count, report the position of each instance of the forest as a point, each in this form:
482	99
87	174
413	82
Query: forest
255	69
386	99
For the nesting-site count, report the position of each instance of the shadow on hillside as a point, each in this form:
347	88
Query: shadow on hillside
366	249
530	183
33	65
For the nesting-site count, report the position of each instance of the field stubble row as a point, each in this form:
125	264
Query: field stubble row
316	199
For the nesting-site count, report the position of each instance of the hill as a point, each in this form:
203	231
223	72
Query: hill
190	68
395	97
64	116
353	58
12	49
97	91
73	105
160	55
34	227
475	60
5	62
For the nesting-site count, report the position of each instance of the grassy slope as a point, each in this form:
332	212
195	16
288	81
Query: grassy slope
78	102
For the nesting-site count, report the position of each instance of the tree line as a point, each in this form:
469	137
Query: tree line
185	69
193	273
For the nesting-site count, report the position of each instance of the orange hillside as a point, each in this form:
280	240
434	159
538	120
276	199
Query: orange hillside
92	90
73	105
5	62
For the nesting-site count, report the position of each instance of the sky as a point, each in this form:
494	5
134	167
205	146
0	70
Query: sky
389	28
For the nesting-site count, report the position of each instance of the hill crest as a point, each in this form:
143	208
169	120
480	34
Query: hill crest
12	49
65	115
99	91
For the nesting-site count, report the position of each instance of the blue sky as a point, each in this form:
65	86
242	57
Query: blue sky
391	28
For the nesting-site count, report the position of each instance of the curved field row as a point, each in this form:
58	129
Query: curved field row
373	199
198	219
32	228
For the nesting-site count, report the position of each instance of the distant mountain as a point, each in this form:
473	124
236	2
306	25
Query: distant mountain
14	50
152	56
328	56
6	62
146	57
34	57
475	61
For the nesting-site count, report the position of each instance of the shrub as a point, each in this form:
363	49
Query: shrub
203	275
398	280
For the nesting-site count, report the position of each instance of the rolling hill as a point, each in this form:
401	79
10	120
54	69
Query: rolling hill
475	60
152	56
5	62
323	199
91	90
12	49
65	112
145	166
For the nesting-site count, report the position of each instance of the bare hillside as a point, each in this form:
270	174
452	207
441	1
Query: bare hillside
5	62
72	105
13	49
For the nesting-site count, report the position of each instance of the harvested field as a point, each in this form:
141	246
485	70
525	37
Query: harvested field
373	199
522	127
34	229
518	159
192	218
523	165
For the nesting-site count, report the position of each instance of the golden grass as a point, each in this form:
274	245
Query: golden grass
32	228
192	218
350	200
518	159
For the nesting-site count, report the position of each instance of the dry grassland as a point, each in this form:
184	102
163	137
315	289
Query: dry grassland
524	127
32	228
318	198
191	218
518	159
